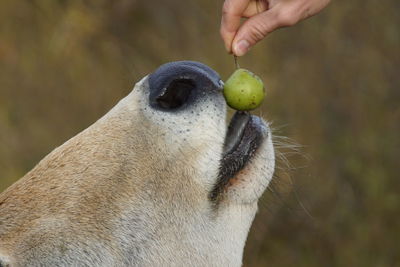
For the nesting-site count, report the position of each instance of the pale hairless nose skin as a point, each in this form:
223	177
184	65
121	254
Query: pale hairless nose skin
160	180
264	16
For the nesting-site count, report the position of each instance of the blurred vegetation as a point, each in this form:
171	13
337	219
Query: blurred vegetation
332	84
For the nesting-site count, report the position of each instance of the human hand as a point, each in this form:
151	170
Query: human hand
264	16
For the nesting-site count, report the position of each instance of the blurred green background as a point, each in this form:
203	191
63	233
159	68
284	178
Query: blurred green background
332	84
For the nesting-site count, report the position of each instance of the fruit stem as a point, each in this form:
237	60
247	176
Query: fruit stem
235	58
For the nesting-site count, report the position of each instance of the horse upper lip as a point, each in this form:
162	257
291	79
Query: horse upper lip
235	131
245	134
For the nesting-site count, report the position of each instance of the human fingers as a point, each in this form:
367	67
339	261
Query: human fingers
232	12
280	15
255	29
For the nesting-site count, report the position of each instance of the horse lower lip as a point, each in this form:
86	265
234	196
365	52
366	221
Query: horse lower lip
239	155
235	130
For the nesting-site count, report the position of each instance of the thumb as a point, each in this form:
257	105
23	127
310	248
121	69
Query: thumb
257	27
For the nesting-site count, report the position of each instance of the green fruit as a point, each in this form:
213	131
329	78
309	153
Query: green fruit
244	90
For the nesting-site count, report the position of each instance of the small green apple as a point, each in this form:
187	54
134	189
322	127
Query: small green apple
244	90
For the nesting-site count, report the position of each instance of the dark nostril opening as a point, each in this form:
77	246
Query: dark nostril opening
176	94
177	84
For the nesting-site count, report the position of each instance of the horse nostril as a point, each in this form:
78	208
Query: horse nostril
177	84
175	94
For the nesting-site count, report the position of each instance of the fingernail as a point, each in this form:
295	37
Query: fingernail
241	47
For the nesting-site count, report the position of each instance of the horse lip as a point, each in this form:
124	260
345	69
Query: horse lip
235	131
244	136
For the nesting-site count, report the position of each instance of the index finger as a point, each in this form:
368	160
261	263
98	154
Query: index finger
232	12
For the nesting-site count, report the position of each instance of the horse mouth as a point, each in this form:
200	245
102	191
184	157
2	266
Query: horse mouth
244	136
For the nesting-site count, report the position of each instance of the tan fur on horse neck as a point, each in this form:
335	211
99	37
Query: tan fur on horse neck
132	190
